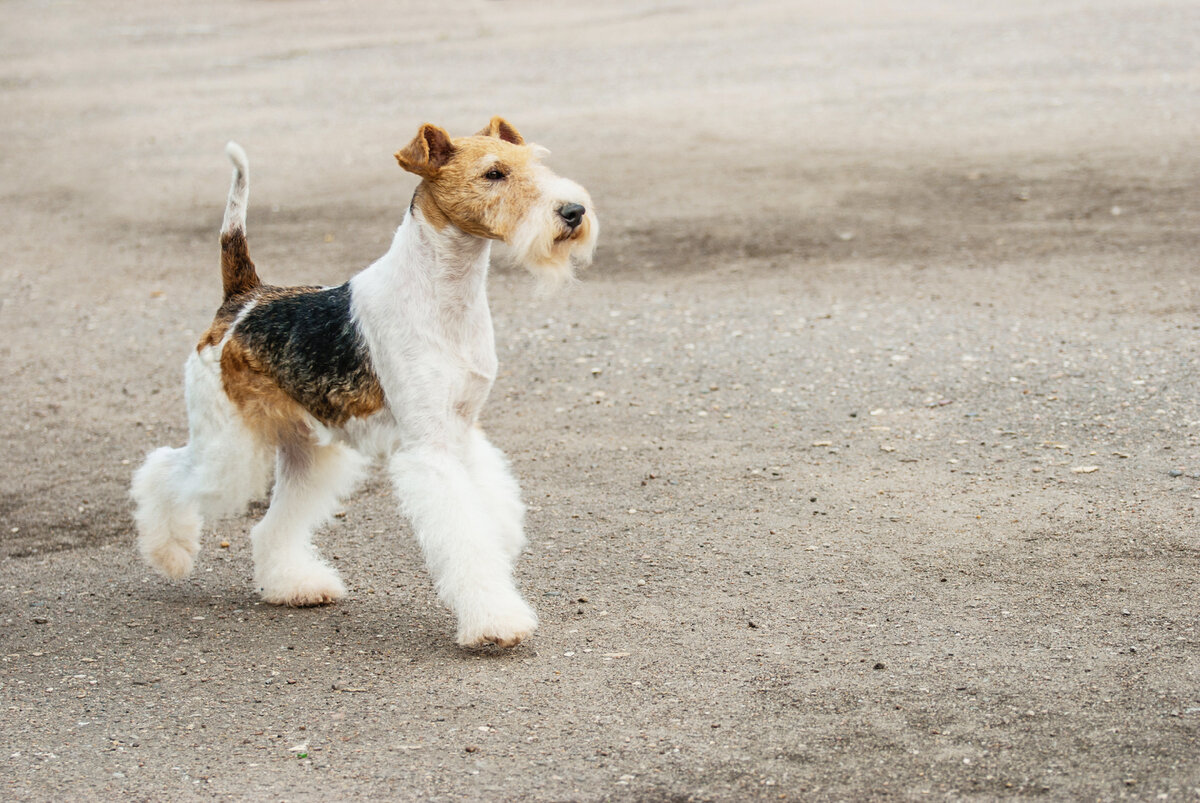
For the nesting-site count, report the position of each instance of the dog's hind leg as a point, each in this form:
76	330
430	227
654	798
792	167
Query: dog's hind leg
221	468
309	480
168	519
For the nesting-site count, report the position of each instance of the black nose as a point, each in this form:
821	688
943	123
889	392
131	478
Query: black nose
572	214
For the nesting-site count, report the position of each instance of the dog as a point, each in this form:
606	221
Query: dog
311	384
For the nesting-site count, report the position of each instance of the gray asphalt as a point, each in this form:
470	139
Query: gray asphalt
862	464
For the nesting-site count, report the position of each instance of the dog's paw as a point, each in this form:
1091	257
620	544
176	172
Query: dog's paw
313	585
503	628
173	559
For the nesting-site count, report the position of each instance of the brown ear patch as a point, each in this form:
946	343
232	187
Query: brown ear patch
429	150
502	129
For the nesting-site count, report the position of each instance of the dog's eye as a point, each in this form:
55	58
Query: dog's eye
495	174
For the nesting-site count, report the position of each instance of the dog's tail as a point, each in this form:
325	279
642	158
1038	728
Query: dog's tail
237	269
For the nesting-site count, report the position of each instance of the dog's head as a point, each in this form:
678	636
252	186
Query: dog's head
494	185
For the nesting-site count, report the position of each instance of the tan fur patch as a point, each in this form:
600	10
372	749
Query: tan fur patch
224	319
266	408
462	194
238	275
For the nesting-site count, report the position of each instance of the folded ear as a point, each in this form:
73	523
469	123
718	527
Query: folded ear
427	153
499	127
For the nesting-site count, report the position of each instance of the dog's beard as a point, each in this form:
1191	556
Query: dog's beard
550	251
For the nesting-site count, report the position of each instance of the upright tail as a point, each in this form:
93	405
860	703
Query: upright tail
237	269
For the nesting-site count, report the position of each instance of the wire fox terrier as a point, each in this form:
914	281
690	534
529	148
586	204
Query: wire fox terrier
396	363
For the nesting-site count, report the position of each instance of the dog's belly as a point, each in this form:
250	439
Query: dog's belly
376	436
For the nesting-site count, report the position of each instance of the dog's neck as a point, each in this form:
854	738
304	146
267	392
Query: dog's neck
452	263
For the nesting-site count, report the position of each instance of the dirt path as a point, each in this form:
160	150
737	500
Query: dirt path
864	463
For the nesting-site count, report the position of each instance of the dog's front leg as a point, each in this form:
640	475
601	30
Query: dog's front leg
501	493
465	547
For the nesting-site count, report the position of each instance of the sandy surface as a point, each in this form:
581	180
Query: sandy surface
864	463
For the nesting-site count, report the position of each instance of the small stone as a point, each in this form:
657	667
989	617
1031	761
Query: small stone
1085	469
470	748
1174	473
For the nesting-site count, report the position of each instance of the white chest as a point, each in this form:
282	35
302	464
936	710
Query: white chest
424	313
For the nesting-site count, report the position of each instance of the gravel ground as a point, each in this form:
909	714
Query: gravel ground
863	463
